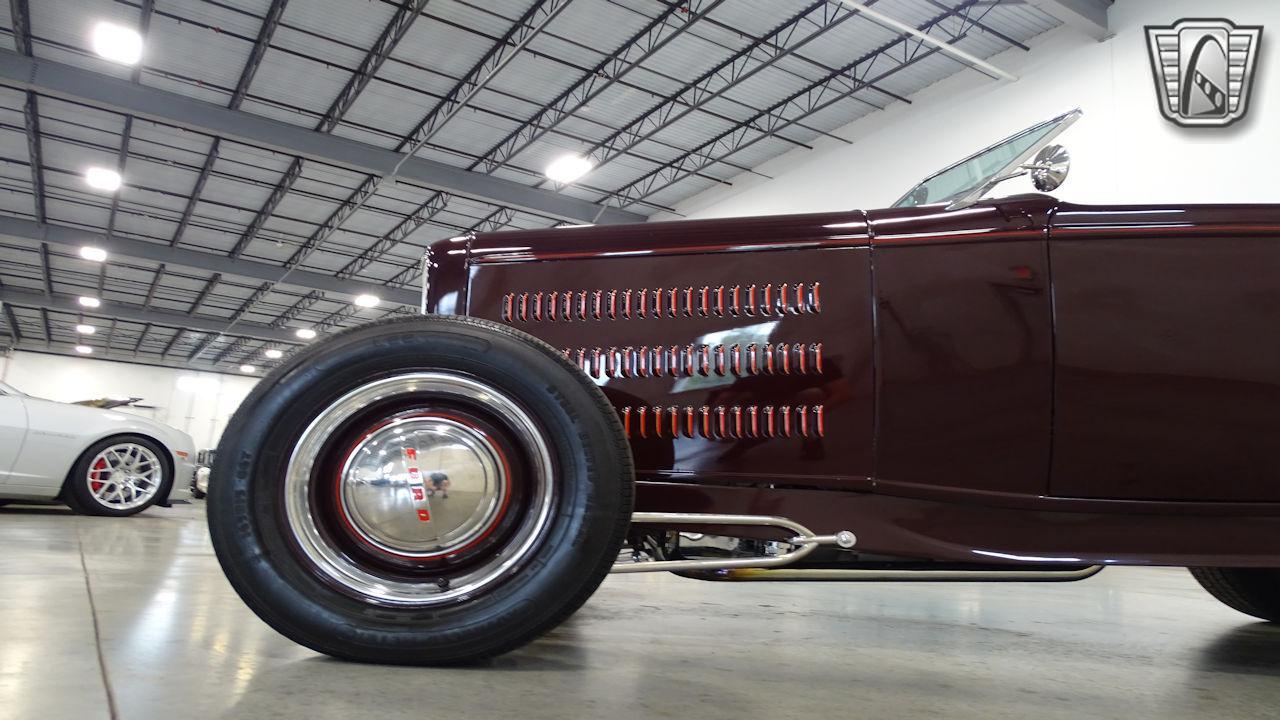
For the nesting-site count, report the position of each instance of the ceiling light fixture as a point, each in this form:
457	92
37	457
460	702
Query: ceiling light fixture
273	353
89	302
567	168
116	43
305	333
85	329
84	349
368	301
104	179
248	369
95	254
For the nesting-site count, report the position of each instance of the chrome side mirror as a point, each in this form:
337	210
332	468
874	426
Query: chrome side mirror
1049	168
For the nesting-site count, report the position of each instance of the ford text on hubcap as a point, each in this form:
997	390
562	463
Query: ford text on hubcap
415	490
394	487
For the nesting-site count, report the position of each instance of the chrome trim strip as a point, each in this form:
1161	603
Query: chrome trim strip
869	575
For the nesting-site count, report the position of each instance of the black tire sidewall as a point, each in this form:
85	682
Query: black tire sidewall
592	489
1252	591
81	499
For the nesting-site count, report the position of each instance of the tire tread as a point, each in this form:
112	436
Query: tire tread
1252	591
486	641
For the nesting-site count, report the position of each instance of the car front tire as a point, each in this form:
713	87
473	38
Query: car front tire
118	476
319	508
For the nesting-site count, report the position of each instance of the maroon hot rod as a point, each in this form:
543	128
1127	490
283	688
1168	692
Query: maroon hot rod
951	389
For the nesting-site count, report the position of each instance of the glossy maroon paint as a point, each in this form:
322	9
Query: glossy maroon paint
1168	372
1006	382
965	347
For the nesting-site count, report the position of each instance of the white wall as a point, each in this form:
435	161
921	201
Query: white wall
197	403
1123	150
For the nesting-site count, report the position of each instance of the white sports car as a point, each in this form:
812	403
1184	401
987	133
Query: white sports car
100	462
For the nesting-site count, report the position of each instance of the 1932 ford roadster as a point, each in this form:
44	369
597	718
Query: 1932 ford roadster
950	389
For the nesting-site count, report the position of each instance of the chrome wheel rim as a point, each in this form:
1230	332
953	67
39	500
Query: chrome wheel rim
124	476
388	494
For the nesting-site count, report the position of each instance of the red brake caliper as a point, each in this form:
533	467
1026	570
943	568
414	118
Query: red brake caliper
95	483
416	486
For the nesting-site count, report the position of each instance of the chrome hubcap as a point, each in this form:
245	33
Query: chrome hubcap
125	476
387	489
423	486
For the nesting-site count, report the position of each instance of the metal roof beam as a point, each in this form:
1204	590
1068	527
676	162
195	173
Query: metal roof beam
230	348
1087	16
638	48
537	17
653	37
155	285
390	37
988	29
15	331
31	119
20	14
138	314
46	270
111	333
122	156
534	20
122	356
208	341
845	81
173	340
142	336
359	80
947	47
265	32
29	230
817	18
820	65
419	217
209	285
297	309
103	91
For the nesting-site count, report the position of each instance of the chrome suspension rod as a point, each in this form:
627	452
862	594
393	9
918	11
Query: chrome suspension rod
805	540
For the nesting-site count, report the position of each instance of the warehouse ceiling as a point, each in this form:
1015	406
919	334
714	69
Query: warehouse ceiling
280	159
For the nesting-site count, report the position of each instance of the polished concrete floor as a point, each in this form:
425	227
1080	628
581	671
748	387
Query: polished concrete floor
132	618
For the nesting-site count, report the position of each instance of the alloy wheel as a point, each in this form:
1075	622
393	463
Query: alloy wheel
124	476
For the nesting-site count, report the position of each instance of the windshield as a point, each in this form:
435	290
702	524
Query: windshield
975	173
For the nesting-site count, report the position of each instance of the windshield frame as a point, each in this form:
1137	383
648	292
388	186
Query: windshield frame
974	192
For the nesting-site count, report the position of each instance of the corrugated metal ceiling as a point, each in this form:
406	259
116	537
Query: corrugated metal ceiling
201	49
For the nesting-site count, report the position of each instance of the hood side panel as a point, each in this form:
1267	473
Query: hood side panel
755	366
